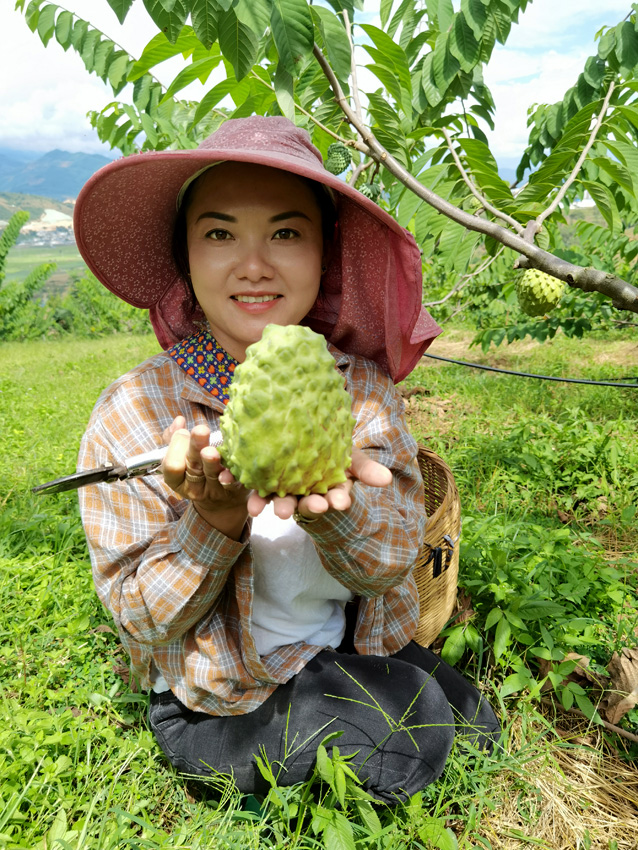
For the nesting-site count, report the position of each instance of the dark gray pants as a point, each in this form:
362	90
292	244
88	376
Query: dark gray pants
431	699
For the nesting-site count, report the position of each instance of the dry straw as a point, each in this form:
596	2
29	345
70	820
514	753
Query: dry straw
573	793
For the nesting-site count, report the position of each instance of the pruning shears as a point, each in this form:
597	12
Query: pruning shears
145	464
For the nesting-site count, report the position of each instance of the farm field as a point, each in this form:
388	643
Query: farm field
24	258
548	476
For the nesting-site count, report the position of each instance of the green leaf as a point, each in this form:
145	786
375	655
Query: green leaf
117	69
463	43
46	23
89	46
502	637
293	32
284	92
199	70
540	610
103	56
627	48
336	41
169	22
368	815
254	13
204	15
454	646
148	125
338	834
340	783
618	173
120	7
160	48
430	89
385	10
625	152
434	833
444	65
63	29
594	72
514	683
588	708
493	617
606	43
445	14
239	92
475	15
604	200
324	765
393	54
237	43
32	14
79	34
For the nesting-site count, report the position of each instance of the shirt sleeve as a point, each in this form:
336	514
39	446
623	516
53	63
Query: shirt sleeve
373	546
157	565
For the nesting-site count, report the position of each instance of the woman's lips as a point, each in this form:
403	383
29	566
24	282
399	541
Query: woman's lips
256	303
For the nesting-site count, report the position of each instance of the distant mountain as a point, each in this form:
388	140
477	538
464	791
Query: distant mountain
57	174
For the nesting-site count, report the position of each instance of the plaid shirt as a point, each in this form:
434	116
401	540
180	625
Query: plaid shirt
181	592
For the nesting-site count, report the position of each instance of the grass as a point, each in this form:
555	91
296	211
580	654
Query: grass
547	474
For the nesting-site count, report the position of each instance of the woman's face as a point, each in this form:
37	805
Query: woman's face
255	249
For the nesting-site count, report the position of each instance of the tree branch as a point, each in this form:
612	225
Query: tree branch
623	295
581	159
518	227
353	69
465	279
358	171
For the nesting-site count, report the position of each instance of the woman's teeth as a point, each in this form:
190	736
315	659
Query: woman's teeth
255	299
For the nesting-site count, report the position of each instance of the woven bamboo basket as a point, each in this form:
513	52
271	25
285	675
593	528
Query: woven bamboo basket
437	569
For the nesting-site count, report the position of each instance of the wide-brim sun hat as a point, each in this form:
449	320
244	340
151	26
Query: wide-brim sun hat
371	291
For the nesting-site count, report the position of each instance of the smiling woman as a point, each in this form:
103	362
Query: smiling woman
254	622
265	264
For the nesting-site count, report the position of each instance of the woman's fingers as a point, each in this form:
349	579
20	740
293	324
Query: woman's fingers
178	423
368	471
174	463
199	439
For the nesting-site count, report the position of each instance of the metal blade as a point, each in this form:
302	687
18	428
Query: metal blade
108	472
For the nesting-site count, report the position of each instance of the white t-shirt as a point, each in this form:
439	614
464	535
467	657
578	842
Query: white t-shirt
295	598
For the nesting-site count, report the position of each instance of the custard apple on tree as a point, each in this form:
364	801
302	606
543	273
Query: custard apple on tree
288	424
537	292
338	158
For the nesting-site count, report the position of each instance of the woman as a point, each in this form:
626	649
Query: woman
261	625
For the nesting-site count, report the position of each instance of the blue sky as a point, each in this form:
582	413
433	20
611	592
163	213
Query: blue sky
45	93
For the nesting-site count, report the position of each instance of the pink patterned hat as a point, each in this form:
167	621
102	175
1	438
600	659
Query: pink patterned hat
371	291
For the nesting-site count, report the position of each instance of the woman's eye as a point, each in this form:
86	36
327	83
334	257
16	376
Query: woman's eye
285	233
218	235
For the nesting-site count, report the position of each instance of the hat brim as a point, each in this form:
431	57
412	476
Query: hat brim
125	215
124	220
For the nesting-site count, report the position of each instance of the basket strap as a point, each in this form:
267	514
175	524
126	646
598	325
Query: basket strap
436	555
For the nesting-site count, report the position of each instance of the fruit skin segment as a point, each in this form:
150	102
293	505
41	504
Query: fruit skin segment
537	292
288	424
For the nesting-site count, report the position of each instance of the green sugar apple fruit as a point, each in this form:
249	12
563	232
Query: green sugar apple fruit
287	427
338	158
537	292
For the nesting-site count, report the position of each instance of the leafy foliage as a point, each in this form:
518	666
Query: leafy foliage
15	297
427	110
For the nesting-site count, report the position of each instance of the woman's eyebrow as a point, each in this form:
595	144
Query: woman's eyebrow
219	215
291	214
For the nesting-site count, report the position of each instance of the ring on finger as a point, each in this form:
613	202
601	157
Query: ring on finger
194	479
303	520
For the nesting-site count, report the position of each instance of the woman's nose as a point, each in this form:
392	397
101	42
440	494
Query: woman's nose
254	262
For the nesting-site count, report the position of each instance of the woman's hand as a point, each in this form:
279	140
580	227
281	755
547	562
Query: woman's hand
362	469
193	469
